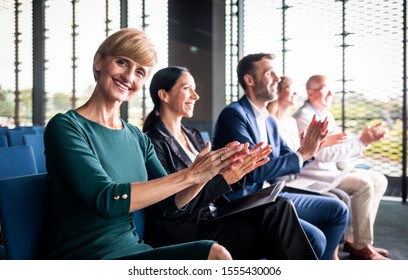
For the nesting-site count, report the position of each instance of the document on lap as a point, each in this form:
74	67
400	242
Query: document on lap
308	184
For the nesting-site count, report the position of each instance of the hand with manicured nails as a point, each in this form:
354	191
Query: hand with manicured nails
210	163
257	157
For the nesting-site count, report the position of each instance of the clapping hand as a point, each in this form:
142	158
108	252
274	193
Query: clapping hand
209	163
314	138
373	133
334	139
257	157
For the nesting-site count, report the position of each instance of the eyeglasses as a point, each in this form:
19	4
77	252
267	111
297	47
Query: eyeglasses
323	89
290	87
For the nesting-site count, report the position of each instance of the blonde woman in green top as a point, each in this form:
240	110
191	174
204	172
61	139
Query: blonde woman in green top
101	168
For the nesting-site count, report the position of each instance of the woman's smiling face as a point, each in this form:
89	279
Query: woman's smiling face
121	78
182	96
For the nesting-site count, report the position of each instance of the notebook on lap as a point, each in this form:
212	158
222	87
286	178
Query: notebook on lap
312	185
261	197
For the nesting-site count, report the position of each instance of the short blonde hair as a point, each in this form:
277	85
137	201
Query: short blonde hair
127	42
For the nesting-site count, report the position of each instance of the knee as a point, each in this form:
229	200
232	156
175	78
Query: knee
375	185
218	252
343	207
342	195
365	186
337	212
381	184
316	238
369	189
342	211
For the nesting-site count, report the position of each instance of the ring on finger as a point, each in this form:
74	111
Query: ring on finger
220	157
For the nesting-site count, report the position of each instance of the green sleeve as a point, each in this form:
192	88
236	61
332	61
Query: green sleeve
72	162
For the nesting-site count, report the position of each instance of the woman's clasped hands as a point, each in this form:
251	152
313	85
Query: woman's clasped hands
210	163
258	156
233	161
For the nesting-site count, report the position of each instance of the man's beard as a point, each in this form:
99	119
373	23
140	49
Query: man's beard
265	95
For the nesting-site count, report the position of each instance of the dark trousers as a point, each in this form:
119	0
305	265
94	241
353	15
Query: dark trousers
270	231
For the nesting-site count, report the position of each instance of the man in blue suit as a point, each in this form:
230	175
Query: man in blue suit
324	219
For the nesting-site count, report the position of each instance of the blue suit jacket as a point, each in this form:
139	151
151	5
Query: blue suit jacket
237	122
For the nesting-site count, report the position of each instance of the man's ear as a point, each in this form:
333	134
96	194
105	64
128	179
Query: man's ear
310	94
162	95
249	80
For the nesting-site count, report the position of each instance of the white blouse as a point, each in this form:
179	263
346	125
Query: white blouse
289	132
192	155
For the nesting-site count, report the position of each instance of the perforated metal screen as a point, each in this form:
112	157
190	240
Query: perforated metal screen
73	32
358	44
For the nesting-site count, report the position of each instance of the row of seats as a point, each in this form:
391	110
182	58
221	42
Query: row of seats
20	180
28	156
23	235
33	140
23	216
14	137
16	161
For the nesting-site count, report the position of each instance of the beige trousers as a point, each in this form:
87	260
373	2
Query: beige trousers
366	188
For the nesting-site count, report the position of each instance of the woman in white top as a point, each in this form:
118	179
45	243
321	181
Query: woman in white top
281	109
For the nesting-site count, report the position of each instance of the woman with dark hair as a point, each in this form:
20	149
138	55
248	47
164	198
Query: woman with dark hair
269	231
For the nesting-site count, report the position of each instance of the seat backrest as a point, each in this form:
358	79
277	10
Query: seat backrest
3	130
2	253
206	136
23	215
3	141
36	141
38	129
17	161
24	218
139	221
15	137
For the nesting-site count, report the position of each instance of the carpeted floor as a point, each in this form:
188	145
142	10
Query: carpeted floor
390	229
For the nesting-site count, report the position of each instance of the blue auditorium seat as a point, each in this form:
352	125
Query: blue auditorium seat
205	135
36	141
3	141
23	216
17	161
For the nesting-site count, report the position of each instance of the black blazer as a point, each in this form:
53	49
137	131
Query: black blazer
163	228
